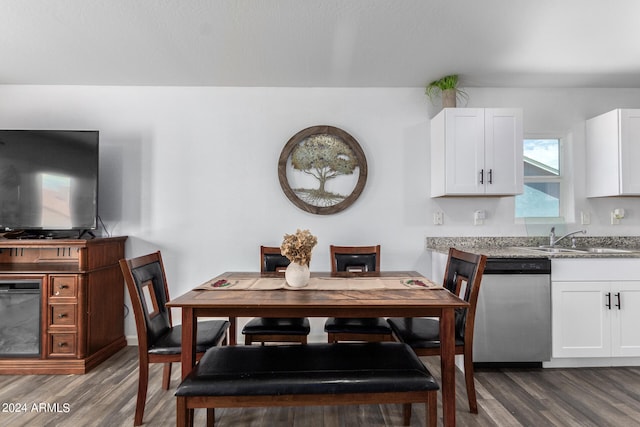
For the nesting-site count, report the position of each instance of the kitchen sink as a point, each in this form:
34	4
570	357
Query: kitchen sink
606	251
561	250
549	250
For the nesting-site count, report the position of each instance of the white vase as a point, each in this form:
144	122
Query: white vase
297	275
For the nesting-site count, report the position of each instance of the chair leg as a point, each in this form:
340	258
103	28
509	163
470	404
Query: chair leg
143	382
432	409
211	417
406	414
166	376
468	378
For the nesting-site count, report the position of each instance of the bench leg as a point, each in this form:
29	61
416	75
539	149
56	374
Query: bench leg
181	412
432	409
190	417
406	414
211	417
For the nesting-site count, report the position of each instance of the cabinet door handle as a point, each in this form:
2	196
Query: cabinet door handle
490	176
618	305
608	304
481	176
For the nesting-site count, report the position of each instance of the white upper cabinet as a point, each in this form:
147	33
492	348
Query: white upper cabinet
476	152
613	153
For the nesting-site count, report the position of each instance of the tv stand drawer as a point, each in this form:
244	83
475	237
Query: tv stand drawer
62	315
62	344
63	287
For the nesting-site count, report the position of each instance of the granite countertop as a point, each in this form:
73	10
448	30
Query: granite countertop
514	247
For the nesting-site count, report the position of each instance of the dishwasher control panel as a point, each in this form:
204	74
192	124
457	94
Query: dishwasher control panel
518	266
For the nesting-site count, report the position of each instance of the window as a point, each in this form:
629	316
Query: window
542	180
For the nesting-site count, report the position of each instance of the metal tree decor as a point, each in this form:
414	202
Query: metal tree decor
316	159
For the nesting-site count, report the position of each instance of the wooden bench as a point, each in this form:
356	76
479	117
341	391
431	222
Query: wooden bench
302	375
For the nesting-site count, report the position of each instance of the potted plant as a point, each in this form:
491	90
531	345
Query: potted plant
448	88
297	248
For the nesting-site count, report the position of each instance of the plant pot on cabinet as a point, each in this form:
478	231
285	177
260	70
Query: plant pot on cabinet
449	98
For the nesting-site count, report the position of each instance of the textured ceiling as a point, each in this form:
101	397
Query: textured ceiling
321	43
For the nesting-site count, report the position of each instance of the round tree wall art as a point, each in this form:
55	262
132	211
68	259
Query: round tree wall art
322	170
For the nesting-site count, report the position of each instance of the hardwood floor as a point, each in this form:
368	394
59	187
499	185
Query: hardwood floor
506	397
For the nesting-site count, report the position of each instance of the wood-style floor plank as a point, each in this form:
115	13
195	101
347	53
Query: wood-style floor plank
506	397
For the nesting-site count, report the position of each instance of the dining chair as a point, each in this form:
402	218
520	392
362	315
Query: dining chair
463	275
356	260
264	329
158	340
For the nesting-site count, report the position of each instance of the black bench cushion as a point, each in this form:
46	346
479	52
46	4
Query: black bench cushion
209	333
307	369
277	326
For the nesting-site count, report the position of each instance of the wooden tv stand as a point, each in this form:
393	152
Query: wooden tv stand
81	305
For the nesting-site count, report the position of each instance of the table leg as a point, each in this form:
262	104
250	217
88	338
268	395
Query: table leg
189	333
448	366
233	327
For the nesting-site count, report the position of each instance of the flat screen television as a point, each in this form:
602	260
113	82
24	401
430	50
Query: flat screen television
48	180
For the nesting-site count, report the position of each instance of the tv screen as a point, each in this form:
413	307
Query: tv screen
48	179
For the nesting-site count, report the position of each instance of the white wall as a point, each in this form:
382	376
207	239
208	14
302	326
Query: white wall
193	171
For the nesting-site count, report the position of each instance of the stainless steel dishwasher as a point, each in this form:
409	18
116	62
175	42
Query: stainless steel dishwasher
513	317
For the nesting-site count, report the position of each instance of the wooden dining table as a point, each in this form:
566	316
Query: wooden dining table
337	295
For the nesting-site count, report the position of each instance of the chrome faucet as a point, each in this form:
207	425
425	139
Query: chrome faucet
552	236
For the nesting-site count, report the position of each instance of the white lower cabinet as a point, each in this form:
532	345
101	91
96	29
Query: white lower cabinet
596	319
596	310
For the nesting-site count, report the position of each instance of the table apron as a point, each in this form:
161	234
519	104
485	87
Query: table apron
317	312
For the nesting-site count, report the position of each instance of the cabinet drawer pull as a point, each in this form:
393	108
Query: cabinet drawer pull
618	305
62	315
61	288
608	304
62	344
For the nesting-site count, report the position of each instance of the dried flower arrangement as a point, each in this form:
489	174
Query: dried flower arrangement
297	247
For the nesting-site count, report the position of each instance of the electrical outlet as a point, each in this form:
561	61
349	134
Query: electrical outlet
585	218
438	218
478	217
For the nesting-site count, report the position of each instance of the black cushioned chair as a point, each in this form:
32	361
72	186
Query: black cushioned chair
463	275
356	260
264	329
158	340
